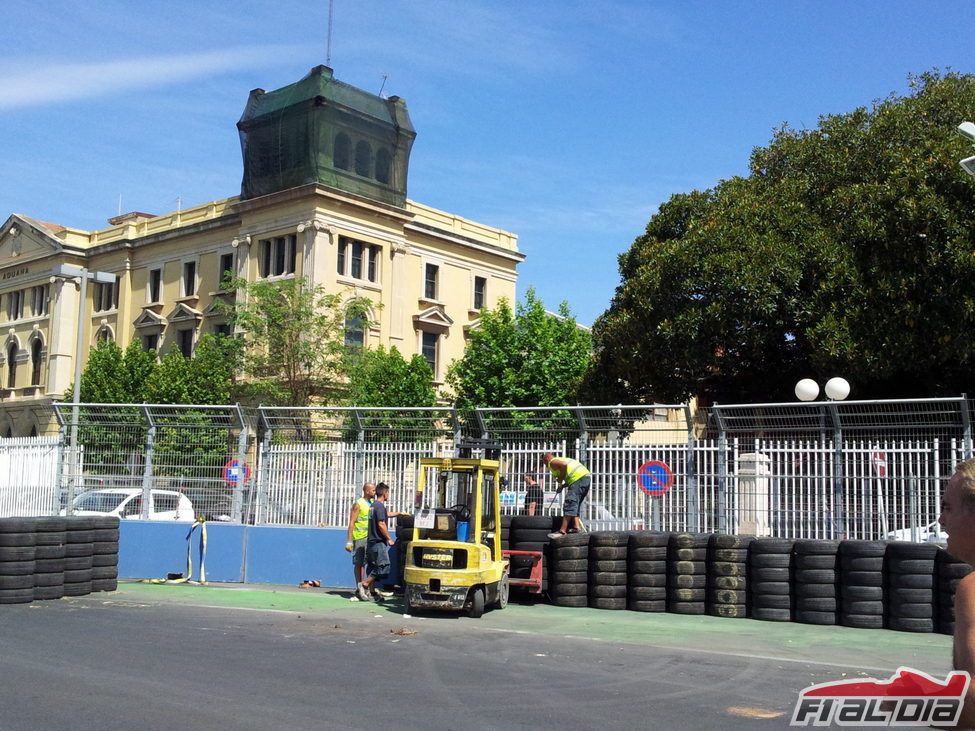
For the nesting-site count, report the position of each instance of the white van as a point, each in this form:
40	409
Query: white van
126	503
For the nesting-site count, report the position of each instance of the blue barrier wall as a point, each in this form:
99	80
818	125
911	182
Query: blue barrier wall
237	553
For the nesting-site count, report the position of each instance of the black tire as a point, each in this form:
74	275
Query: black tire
771	545
862	548
607	553
47	565
647	553
17	553
17	568
51	538
911	581
77	588
476	606
569	577
649	539
810	547
104	547
910	624
687	581
17	539
861	621
769	574
607	578
571	540
689	554
728	568
77	563
17	596
728	596
24	581
534	522
646	579
503	592
815	576
806	616
731	611
686	595
79	536
105	534
687	567
570	590
815	591
560	553
910	566
729	582
681	607
861	578
42	552
569	564
690	540
78	549
771	601
615	538
737	555
647	567
769	614
16	525
563	600
816	561
861	563
106	522
609	592
816	604
541	547
104	584
49	592
111	572
905	551
647	593
78	576
861	607
616	566
646	605
723	540
528	535
770	560
52	579
607	603
899	595
908	610
50	524
778	588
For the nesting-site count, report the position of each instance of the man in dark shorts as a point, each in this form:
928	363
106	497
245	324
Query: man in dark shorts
575	479
377	549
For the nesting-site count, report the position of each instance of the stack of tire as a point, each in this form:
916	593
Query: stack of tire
404	532
727	570
17	551
79	539
815	577
50	538
770	579
948	571
861	584
104	558
687	573
569	570
608	552
646	578
910	586
530	533
506	531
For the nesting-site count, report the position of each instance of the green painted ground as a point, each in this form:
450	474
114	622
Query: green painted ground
861	650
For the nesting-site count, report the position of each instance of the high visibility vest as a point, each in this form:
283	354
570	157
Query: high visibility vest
574	470
360	529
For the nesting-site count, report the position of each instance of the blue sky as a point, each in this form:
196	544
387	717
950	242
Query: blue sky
566	122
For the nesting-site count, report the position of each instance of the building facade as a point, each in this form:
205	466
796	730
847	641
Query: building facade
323	197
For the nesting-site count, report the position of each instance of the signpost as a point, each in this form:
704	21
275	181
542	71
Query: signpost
879	461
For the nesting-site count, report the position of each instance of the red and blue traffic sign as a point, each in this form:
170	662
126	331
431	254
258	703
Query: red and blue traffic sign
654	478
236	472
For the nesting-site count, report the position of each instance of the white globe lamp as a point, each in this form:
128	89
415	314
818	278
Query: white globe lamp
837	388
807	389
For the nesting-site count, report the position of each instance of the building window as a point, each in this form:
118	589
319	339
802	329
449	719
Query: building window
12	365
189	278
35	362
105	334
355	333
383	161
226	272
430	281
342	152
38	299
278	256
358	260
155	285
363	159
223	330
150	342
185	342
106	296
15	305
429	348
480	289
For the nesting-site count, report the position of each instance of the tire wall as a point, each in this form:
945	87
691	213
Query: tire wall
902	586
53	557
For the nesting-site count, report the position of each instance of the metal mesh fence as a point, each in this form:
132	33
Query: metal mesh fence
867	469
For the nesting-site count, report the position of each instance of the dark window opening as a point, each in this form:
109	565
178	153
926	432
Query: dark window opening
185	343
155	285
12	365
430	281
342	152
35	362
363	158
383	160
480	286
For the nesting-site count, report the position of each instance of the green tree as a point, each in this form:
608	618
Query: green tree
207	378
295	339
527	358
378	377
848	250
112	376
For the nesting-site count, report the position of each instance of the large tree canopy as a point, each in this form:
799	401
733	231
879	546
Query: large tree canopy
527	358
848	250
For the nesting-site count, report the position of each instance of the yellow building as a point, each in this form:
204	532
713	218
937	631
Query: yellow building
323	197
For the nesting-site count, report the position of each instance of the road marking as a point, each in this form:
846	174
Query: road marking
753	712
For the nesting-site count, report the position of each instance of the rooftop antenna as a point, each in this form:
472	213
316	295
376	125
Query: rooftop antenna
328	43
385	76
119	205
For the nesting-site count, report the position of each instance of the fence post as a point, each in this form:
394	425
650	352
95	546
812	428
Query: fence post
722	497
966	423
359	467
839	510
147	468
237	507
693	486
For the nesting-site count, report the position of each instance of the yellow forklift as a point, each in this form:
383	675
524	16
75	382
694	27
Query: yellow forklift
454	560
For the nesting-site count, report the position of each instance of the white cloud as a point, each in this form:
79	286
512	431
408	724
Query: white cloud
31	85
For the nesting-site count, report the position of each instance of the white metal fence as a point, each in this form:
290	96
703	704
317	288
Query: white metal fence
871	471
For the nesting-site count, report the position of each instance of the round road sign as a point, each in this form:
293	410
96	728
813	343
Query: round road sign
236	472
654	478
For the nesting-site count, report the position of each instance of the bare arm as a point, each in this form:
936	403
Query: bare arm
353	516
384	531
964	653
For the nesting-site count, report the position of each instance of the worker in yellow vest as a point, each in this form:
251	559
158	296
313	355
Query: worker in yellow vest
575	479
358	532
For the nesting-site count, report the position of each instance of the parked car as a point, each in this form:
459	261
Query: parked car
930	533
126	503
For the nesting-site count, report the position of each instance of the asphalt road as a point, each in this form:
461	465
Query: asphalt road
225	657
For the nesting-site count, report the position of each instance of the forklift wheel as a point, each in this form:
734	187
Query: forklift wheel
476	607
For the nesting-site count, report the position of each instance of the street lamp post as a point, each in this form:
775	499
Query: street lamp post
67	271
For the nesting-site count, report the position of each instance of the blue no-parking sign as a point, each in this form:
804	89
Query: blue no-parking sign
654	478
235	472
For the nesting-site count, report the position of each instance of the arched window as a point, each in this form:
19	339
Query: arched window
342	151
35	362
105	334
355	333
12	365
363	158
383	161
